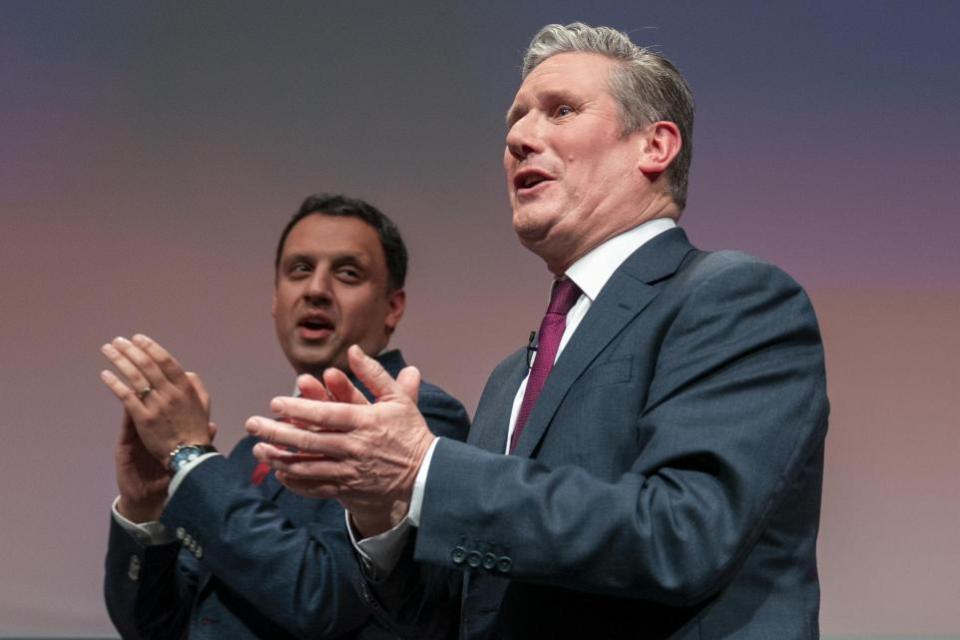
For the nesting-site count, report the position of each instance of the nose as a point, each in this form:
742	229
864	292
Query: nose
523	138
318	290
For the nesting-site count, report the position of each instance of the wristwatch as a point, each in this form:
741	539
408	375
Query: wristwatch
187	453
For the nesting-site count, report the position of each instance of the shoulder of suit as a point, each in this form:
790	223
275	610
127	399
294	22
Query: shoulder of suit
731	265
509	363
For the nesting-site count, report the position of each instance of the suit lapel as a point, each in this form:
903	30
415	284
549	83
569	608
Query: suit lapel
624	297
489	429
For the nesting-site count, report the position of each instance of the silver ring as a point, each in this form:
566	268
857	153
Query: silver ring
143	393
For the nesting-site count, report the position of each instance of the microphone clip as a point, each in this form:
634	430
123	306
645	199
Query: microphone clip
532	343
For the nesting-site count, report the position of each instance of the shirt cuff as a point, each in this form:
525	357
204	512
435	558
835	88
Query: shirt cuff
420	485
146	533
380	553
185	469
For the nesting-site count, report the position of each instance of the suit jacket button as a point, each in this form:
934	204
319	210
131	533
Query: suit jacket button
181	533
504	564
458	555
473	559
198	551
133	570
489	561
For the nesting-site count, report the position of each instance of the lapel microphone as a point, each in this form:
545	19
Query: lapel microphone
531	348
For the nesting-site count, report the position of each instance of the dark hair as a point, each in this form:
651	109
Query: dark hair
337	205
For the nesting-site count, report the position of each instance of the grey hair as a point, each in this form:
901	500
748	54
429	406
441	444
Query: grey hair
648	87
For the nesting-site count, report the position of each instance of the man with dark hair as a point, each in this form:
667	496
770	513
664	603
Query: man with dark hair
207	546
337	205
656	472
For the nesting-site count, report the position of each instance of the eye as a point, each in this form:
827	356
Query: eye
563	110
299	269
349	274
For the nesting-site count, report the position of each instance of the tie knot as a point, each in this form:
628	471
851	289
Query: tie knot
565	293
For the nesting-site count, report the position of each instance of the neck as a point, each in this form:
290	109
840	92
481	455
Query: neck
562	258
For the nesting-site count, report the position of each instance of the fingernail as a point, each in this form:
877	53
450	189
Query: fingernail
278	404
121	340
107	349
140	339
252	425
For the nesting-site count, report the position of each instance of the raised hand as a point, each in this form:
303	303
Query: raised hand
167	405
141	478
364	455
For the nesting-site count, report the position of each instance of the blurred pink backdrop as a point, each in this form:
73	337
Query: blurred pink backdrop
150	156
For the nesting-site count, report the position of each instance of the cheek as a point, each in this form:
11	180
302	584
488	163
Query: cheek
281	304
356	308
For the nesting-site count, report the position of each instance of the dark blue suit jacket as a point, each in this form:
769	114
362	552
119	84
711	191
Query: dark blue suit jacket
259	561
666	485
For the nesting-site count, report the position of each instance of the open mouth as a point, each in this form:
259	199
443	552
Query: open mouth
315	327
527	180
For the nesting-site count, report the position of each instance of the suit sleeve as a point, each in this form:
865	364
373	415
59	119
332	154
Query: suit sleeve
298	575
735	408
147	592
444	414
301	575
421	600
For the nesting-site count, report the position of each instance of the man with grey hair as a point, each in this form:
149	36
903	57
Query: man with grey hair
656	470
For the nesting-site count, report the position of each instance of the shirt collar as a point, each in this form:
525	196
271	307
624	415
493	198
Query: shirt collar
592	271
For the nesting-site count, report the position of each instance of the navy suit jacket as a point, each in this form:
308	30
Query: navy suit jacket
258	561
666	484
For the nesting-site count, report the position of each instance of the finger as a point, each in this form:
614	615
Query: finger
319	416
280	433
212	429
372	374
165	362
126	367
197	384
307	488
271	453
312	388
409	381
146	365
341	388
315	468
131	403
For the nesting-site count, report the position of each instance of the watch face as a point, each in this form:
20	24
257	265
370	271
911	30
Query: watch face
185	454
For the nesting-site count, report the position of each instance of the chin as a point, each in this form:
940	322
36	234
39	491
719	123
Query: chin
529	228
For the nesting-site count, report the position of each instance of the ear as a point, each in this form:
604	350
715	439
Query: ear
273	303
396	305
660	144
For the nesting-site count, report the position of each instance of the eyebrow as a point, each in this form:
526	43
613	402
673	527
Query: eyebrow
289	259
335	258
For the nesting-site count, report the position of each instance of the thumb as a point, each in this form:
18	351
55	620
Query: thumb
373	376
200	389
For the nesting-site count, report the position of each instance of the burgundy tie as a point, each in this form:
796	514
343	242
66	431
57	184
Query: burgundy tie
564	294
